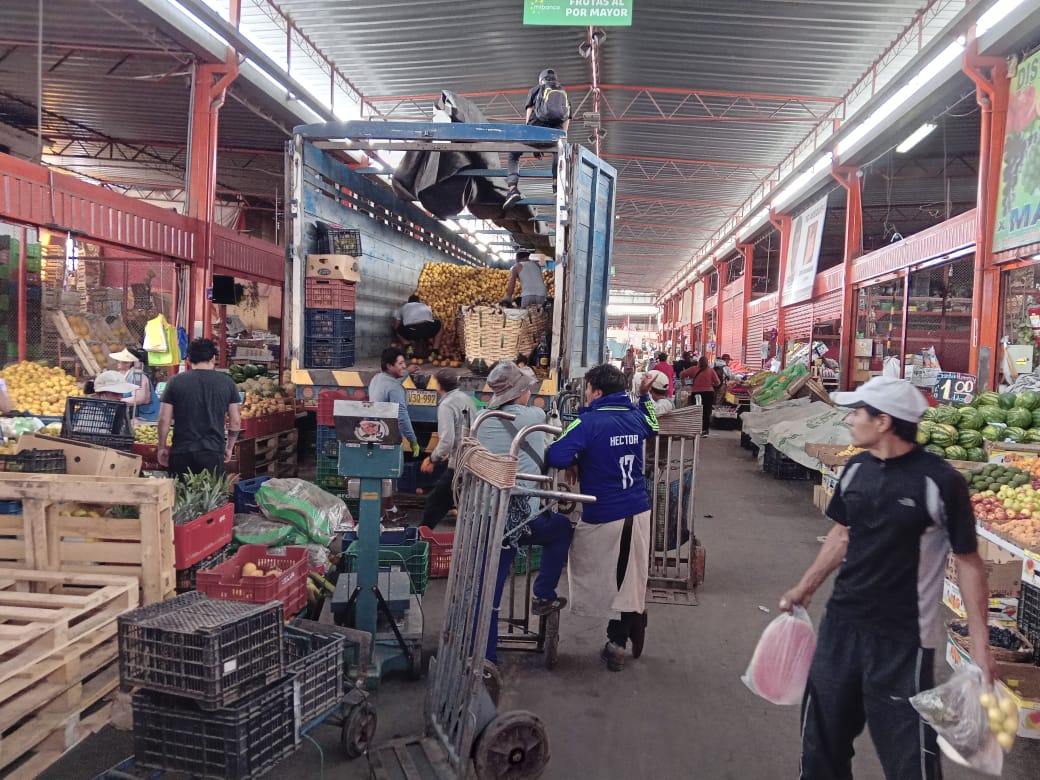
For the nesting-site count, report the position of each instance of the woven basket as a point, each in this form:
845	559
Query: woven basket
686	422
492	333
1023	656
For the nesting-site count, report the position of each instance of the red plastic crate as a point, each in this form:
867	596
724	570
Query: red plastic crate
441	543
330	294
225	581
149	455
203	536
326	402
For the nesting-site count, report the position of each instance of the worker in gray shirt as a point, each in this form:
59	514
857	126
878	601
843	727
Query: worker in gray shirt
532	285
455	413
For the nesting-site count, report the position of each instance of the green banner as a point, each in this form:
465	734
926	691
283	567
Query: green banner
1018	210
579	13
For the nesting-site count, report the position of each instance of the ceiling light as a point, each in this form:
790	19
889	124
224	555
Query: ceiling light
995	15
916	137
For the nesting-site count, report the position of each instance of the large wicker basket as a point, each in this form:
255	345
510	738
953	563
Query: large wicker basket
492	333
1021	656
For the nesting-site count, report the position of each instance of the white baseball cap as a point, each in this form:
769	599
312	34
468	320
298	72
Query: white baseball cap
660	380
895	397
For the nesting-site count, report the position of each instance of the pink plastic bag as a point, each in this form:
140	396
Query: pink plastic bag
779	668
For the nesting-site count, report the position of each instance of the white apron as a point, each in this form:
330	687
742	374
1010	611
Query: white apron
592	568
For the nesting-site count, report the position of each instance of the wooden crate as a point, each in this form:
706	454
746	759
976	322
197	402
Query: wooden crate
53	539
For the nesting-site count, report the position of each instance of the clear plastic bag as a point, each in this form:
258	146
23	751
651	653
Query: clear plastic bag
975	723
255	529
779	668
305	505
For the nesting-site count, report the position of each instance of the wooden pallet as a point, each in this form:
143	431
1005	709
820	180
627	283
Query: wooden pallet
52	539
44	612
279	467
76	344
268	445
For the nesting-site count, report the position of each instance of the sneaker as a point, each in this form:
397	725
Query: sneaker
543	607
638	636
614	655
511	197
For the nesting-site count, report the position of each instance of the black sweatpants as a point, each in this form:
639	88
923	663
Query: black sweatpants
860	678
183	462
619	631
439	501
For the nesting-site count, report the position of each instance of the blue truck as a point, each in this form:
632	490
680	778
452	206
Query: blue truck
338	182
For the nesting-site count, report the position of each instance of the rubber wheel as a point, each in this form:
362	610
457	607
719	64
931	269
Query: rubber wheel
359	728
492	681
638	636
514	746
551	641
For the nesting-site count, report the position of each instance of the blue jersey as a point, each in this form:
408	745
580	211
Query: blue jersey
606	442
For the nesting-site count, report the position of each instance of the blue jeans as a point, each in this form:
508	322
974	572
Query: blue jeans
553	532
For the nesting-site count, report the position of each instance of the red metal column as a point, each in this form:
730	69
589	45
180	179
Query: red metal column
992	96
782	223
722	271
21	295
850	179
748	250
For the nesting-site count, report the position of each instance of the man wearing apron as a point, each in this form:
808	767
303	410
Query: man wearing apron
610	550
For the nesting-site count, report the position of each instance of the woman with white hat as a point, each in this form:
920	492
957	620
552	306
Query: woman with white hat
143	397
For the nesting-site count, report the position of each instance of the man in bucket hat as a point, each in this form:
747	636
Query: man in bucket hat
897	512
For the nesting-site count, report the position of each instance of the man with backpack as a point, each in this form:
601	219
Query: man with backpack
547	106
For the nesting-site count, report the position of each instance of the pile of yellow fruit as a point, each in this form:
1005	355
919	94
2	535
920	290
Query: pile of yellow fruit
252	570
37	389
257	406
1003	717
445	287
852	449
149	434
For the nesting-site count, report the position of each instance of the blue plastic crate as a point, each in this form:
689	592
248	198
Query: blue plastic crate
10	507
245	495
329	324
328	353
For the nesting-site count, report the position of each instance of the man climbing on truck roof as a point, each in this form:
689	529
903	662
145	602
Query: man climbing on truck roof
547	106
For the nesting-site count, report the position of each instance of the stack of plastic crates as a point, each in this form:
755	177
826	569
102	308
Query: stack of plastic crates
92	420
329	338
411	557
326	467
343	241
35	462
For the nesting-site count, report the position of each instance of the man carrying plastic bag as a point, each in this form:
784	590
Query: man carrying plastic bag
897	510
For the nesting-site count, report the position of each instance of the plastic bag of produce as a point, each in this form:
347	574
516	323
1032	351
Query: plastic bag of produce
975	723
256	529
779	667
305	505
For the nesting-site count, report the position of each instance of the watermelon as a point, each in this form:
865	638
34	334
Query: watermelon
1036	418
1032	436
992	414
992	432
1006	400
1012	433
989	398
926	425
970	419
930	413
969	439
1019	418
948	415
935	449
944	435
923	437
1029	399
956	453
977	454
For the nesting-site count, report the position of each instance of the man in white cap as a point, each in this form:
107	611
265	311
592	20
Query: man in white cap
897	510
657	384
111	386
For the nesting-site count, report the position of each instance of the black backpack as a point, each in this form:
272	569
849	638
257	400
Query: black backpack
551	106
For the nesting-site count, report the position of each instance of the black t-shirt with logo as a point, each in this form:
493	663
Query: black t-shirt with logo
200	400
903	514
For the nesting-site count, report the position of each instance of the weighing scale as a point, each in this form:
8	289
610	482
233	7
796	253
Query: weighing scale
370	449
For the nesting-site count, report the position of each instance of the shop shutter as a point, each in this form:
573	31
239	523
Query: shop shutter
828	307
732	338
753	341
798	320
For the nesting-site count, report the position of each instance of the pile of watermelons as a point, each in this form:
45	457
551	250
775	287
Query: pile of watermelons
957	433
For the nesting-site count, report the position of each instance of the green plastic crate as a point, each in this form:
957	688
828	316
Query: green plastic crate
34	250
520	563
32	264
327	476
415	558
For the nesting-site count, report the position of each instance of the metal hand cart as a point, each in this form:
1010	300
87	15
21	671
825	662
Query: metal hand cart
463	727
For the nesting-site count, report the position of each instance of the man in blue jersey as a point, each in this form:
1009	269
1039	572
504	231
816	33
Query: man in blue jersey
610	550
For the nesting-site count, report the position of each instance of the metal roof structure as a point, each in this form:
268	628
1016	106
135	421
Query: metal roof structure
700	105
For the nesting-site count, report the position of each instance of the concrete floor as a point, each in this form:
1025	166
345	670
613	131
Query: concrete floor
681	710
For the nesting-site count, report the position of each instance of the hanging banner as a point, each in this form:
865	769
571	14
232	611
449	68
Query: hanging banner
1018	204
698	303
579	13
803	254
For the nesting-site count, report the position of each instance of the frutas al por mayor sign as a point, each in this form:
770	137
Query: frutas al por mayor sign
1018	208
581	13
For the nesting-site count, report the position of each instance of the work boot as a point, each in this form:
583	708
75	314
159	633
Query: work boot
638	635
512	196
614	655
542	607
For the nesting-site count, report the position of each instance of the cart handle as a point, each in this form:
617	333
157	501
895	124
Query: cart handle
518	440
561	495
487	415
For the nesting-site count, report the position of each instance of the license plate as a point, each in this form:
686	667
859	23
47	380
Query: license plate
422	398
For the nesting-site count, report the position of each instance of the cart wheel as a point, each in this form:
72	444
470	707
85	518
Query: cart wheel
514	746
551	640
492	680
359	727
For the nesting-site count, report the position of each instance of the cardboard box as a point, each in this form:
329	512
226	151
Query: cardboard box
342	267
83	459
827	454
1002	609
1020	681
1005	579
1008	453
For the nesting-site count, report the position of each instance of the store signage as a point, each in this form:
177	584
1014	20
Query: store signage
1018	204
579	13
954	387
803	253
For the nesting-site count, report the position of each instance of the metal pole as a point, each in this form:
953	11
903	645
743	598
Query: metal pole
39	83
21	294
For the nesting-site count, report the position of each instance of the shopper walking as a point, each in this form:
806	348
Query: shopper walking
196	403
512	386
455	413
628	366
703	381
532	284
609	555
665	368
897	510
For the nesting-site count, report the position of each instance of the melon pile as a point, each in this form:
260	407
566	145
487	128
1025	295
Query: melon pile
958	433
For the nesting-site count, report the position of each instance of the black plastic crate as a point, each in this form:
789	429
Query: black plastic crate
329	324
208	650
780	466
186	577
1029	617
317	661
328	444
745	441
328	353
343	241
35	462
236	743
92	420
